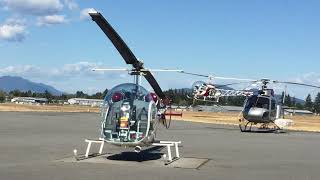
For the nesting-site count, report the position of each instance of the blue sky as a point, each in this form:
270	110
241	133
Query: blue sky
50	42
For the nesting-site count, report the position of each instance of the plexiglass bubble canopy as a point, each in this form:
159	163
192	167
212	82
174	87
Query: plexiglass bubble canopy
129	114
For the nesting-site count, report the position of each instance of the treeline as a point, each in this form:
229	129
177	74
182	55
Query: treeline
313	106
178	97
51	98
309	104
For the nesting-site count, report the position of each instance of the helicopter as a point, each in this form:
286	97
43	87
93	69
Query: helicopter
202	91
130	113
260	107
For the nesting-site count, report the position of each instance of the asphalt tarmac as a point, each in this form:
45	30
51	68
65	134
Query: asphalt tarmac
33	146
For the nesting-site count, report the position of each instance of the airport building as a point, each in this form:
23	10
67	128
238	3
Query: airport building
29	100
216	108
85	102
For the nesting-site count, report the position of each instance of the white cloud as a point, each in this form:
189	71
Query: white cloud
16	20
20	70
69	77
13	30
33	7
79	68
51	20
84	14
75	70
71	4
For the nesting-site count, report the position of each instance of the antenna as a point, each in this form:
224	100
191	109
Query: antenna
284	94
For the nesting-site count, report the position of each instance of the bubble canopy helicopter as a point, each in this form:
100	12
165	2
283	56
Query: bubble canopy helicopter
261	107
130	113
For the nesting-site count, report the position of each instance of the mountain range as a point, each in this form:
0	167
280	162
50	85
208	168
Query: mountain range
10	83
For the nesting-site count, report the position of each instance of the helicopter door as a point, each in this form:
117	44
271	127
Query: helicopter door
273	110
250	102
146	116
142	122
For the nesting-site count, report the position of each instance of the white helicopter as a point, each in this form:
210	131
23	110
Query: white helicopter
202	91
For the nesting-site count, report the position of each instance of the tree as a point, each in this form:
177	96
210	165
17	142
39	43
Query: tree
98	95
316	104
80	94
282	97
16	93
34	94
299	106
48	95
2	96
309	104
294	102
64	97
288	101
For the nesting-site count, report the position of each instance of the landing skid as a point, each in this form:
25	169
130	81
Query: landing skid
170	144
247	126
168	158
87	154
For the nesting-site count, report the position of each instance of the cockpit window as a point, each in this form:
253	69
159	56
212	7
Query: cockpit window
263	102
128	91
250	102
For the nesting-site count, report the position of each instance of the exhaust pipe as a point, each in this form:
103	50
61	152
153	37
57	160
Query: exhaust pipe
137	149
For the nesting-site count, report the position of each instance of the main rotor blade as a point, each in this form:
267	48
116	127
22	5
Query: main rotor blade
162	70
227	78
217	77
110	69
295	83
116	40
195	74
154	84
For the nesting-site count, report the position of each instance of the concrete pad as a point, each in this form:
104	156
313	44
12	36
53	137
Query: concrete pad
183	163
189	163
